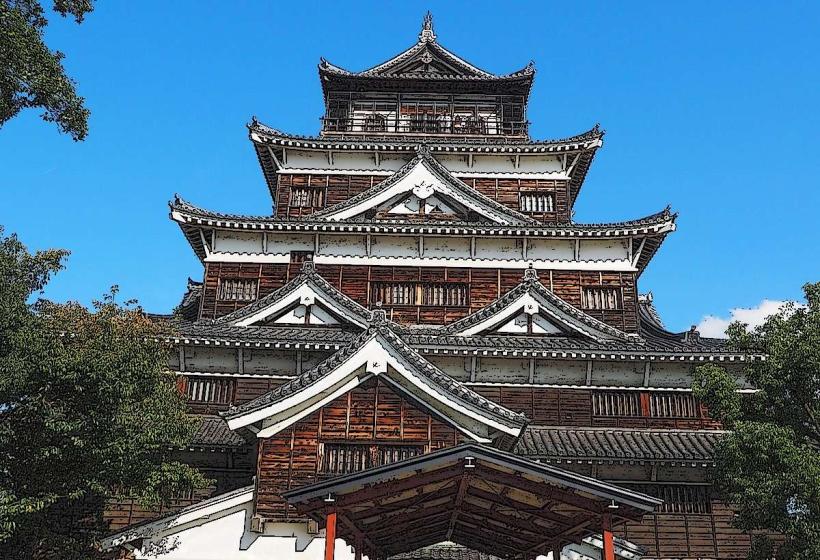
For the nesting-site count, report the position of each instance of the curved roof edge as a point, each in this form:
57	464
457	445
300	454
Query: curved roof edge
588	140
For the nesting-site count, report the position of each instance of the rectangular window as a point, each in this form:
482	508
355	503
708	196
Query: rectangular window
616	404
601	298
307	197
237	289
207	390
536	202
673	405
344	458
439	294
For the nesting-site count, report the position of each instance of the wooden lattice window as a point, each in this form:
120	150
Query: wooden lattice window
237	289
307	197
673	405
616	404
436	294
344	458
208	390
536	202
679	498
604	298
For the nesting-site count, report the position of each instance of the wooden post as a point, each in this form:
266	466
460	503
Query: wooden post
358	548
330	534
609	543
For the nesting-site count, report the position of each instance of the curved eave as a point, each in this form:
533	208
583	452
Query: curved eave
268	143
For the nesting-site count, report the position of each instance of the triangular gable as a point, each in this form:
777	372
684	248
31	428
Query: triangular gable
532	309
379	352
422	179
307	300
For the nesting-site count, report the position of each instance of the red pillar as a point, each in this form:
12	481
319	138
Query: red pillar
609	541
330	535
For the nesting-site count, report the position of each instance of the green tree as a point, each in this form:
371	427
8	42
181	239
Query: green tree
31	75
768	467
87	408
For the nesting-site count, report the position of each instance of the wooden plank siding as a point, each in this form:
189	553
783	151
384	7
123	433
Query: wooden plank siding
338	188
369	414
485	286
574	407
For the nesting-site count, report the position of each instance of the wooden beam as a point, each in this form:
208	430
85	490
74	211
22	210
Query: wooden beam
542	489
463	486
393	487
360	537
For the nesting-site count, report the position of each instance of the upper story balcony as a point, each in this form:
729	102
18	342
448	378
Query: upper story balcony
353	114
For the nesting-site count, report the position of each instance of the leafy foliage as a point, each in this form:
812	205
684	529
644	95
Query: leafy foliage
31	75
86	408
769	466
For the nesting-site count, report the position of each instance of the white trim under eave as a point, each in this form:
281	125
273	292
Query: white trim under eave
610	265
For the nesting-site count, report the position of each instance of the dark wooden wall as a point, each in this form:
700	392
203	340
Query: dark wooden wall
371	413
486	285
338	188
689	536
573	407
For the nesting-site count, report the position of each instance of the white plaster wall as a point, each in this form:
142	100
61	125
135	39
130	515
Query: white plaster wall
281	243
237	242
203	358
498	248
617	373
453	247
276	362
393	246
549	249
509	370
671	374
226	537
338	245
560	372
305	159
454	366
602	249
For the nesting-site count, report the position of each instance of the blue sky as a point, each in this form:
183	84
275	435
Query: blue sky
711	107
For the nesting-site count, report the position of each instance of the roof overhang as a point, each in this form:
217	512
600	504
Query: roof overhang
470	494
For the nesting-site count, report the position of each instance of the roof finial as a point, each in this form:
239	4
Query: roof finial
530	274
427	33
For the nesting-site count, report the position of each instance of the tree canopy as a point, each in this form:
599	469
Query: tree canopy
768	467
32	75
87	410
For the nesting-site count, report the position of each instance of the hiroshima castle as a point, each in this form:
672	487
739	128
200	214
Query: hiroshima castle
419	355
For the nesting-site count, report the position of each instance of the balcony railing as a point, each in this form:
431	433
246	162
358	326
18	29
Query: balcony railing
423	124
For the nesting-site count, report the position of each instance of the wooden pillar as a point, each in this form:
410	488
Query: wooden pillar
609	541
358	548
330	534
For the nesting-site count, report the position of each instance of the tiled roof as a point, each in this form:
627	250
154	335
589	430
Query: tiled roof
429	48
607	444
188	308
214	432
655	223
381	327
264	335
591	139
448	551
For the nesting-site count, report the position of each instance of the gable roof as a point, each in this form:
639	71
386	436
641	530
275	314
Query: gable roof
532	293
426	59
422	172
376	348
309	286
